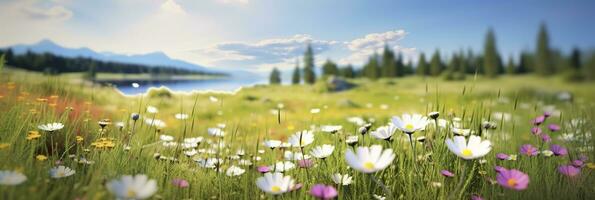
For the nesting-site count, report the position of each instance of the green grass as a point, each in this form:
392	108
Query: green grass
250	118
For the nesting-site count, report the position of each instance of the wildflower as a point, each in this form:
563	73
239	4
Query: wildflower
434	115
331	128
305	163
181	116
213	99
33	135
263	169
323	151
104	122
547	153
546	138
51	127
558	150
4	145
61	172
282	166
301	139
499	169
79	139
156	123
364	129
152	109
474	149
120	125
384	132
476	197
446	173
209	162
234	171
378	197
272	143
410	123
591	165
502	156
536	130
132	187
217	132
513	179
529	150
461	131
288	155
344	179
369	159
11	177
538	120
166	138
41	157
315	110
553	127
134	116
275	183
181	183
352	140
436	184
569	170
321	191
191	152
578	163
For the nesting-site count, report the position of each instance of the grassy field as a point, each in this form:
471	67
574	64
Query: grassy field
127	146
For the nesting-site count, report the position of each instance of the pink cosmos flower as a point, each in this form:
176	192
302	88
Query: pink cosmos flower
306	163
502	156
569	170
529	150
446	173
546	138
538	120
553	127
321	191
181	183
558	150
536	130
513	179
263	169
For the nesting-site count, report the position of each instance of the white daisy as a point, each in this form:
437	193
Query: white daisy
357	121
410	123
51	127
369	159
323	151
166	138
234	171
61	172
156	123
289	155
272	143
217	132
301	139
282	166
352	139
275	183
461	131
132	187
11	177
331	128
213	99
152	109
191	152
181	116
474	149
344	179
315	110
384	132
209	162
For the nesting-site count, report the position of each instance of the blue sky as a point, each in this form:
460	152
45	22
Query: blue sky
257	35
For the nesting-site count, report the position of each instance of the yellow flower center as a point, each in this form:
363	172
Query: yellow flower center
369	165
409	126
467	152
511	182
275	189
60	174
131	193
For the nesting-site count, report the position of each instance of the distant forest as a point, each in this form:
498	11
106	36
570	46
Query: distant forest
577	66
55	64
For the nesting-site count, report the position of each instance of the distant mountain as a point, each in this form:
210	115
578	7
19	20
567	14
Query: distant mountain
150	59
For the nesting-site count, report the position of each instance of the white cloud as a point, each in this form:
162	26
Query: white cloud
170	6
233	1
362	48
53	12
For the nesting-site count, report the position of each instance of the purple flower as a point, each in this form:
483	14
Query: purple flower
578	163
499	169
513	179
558	150
529	150
305	163
536	130
476	197
181	183
322	191
547	114
538	120
546	138
553	127
569	170
263	169
446	173
502	156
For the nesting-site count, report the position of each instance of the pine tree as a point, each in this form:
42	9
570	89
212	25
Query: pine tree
408	68
400	67
347	72
491	60
388	63
275	77
436	64
309	74
524	63
372	69
422	66
575	59
295	77
510	67
543	59
330	68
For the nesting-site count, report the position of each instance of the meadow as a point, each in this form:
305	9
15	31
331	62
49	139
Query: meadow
220	145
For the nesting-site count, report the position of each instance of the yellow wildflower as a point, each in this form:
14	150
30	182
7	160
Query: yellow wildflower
591	165
32	135
41	157
4	145
42	100
79	138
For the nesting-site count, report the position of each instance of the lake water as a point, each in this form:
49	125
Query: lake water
223	84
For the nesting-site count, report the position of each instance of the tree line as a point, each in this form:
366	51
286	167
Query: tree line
54	64
545	61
